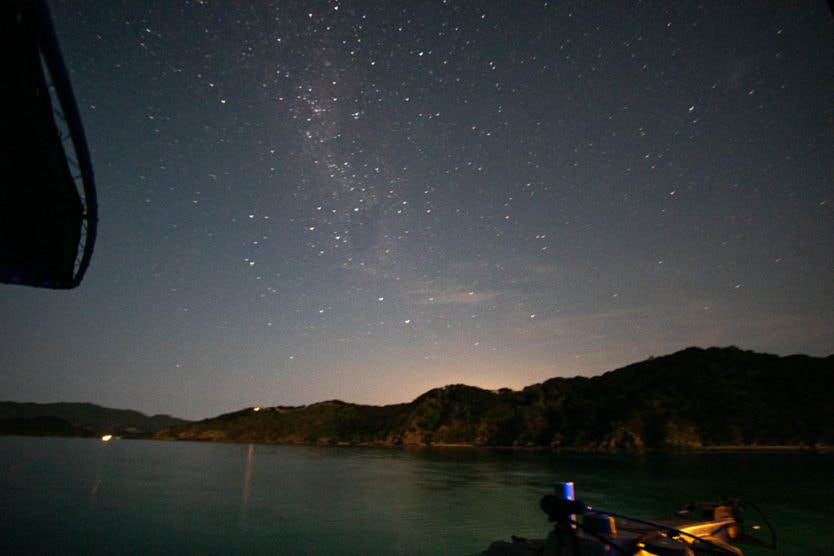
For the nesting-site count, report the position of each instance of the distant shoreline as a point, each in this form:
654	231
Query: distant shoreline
764	448
695	400
782	448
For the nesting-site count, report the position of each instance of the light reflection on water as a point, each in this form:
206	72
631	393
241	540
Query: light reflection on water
87	496
247	480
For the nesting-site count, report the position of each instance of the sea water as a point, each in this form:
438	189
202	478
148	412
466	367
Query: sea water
85	496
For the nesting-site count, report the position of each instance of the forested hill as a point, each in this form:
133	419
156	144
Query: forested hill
78	419
695	398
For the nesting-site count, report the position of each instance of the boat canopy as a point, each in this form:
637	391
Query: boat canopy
47	192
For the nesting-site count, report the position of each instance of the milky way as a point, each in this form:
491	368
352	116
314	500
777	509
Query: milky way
365	201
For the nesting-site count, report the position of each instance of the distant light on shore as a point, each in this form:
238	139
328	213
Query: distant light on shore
106	437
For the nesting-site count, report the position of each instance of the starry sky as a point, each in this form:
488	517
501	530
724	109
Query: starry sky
303	201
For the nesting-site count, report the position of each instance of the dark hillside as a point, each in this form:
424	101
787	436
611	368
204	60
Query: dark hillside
78	419
695	398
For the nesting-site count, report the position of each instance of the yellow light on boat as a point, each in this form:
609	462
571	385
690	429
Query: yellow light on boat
106	437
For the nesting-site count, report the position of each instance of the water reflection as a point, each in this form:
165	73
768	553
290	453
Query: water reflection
98	469
182	497
247	481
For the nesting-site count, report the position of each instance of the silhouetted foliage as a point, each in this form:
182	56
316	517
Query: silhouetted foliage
695	398
78	419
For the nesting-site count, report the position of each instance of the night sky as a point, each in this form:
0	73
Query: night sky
367	200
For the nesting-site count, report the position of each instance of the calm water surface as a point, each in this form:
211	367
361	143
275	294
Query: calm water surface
83	496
